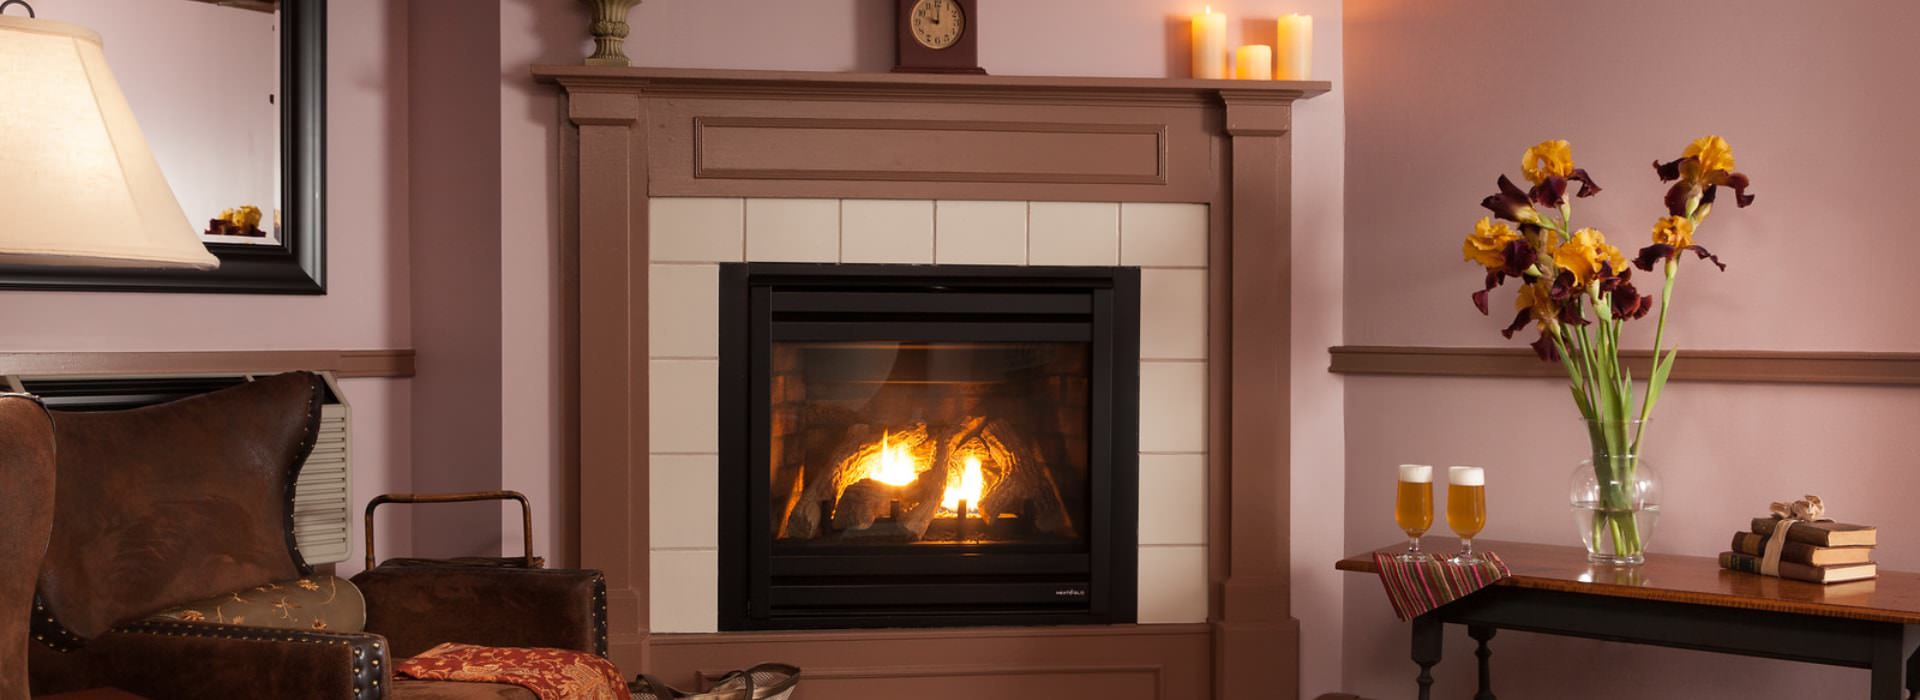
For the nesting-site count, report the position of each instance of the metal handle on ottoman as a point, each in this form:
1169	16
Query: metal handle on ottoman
526	513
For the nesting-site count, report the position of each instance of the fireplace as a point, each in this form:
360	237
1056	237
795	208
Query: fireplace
906	445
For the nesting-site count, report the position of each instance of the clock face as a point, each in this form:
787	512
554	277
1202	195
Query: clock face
937	24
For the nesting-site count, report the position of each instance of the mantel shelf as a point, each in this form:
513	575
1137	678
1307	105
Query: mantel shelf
822	83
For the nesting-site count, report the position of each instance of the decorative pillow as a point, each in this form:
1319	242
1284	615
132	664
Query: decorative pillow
314	603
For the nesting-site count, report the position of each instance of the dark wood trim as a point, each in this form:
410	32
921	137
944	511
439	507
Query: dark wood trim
299	264
1752	366
1257	640
1227	144
1170	660
346	364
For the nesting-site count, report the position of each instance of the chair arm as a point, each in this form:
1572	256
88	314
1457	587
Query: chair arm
419	606
166	659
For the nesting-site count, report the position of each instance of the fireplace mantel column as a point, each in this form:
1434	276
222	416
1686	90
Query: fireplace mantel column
1257	639
612	257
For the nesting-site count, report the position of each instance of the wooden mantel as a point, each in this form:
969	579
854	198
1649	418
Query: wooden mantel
638	133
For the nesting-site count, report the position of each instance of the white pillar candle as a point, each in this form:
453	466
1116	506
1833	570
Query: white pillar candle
1210	45
1416	473
1466	476
1253	62
1294	48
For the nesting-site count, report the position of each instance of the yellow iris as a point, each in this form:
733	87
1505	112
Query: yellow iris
1547	159
1538	299
1488	242
1712	154
1586	253
1676	231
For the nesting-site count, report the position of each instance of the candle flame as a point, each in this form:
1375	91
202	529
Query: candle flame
1209	9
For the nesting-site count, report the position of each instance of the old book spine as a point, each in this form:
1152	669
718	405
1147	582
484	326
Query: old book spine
1788	570
1818	534
1799	552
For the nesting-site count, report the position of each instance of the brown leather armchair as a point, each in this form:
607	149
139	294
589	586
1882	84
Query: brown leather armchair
167	505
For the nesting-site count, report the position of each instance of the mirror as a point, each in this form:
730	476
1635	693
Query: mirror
230	95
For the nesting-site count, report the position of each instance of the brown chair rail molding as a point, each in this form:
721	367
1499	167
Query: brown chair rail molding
391	364
1759	366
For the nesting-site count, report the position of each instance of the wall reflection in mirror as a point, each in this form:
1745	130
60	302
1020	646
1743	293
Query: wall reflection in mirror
203	78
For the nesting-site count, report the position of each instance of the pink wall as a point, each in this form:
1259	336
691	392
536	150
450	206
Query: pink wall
366	306
1059	37
1443	97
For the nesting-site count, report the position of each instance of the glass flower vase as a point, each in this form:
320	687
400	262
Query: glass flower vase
1615	496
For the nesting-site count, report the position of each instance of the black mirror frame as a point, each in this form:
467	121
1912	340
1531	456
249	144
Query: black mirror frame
299	264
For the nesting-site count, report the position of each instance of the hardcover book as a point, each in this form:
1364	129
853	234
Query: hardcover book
1821	533
1801	552
1801	572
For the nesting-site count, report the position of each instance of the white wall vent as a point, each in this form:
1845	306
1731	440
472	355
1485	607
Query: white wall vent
322	508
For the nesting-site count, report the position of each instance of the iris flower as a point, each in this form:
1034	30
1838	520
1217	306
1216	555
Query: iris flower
1672	236
1704	167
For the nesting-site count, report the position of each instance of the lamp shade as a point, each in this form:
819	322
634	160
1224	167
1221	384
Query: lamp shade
78	185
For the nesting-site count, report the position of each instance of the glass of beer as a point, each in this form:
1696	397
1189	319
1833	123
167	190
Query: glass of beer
1466	509
1413	508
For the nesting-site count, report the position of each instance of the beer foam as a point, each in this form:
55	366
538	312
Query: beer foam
1416	473
1466	476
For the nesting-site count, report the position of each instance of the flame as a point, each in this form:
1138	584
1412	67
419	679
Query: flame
973	482
1209	9
896	467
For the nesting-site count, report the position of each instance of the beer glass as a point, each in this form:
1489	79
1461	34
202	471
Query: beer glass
1466	509
1413	508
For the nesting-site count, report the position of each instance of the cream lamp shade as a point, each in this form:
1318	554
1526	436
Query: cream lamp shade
78	185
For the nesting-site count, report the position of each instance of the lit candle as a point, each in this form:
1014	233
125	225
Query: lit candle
1253	62
1295	48
1210	45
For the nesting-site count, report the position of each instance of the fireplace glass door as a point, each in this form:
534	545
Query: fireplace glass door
929	443
908	446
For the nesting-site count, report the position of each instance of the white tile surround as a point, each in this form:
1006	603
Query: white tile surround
690	236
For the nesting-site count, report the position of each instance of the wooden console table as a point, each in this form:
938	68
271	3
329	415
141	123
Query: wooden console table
1684	602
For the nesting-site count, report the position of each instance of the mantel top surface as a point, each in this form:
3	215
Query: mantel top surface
761	80
1893	597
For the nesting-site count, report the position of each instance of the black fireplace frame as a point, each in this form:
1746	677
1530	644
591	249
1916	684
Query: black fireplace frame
1100	305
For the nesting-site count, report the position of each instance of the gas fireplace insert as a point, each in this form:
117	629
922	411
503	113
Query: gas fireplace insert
911	445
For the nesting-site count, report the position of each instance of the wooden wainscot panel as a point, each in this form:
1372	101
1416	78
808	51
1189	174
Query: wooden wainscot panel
929	150
1755	366
1143	662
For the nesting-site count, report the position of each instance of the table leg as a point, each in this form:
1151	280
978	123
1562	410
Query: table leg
1896	663
1482	635
1426	650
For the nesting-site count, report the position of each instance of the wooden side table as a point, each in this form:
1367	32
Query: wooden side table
1683	602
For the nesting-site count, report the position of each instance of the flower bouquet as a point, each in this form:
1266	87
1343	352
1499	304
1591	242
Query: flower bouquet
1578	290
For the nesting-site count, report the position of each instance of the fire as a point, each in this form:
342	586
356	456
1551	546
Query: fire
896	464
973	483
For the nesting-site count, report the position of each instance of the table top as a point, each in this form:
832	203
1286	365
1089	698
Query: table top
1893	597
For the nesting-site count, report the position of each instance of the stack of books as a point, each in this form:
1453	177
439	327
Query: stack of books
1821	551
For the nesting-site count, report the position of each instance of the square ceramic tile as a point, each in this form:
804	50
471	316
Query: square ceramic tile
1173	406
683	591
696	229
980	233
1163	235
683	310
684	493
683	406
1173	314
1173	584
886	231
1173	499
793	230
1073	233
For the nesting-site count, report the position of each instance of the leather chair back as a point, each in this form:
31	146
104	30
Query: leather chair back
26	518
168	504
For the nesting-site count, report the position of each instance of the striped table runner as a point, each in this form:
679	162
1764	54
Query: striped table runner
1417	587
